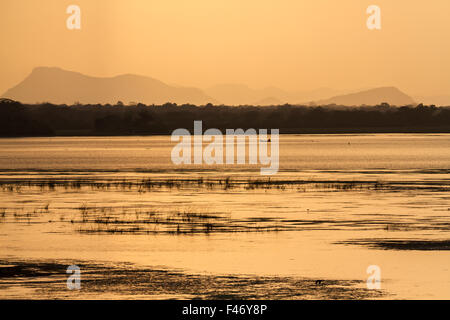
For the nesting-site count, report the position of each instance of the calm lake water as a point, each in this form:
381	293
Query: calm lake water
339	204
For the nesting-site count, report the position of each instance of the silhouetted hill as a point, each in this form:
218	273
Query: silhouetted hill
439	100
234	94
239	94
390	95
59	86
269	101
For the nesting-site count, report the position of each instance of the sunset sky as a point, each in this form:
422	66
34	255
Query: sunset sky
291	44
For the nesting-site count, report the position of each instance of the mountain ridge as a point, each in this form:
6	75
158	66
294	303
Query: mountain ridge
375	96
55	85
59	86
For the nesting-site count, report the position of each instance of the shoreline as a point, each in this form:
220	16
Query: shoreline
282	132
47	280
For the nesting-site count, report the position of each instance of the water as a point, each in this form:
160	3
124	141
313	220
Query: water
84	199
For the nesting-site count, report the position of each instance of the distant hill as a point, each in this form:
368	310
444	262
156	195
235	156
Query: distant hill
391	95
55	85
441	100
234	94
269	101
239	94
59	86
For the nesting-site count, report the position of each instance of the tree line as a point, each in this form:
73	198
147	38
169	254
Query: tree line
46	119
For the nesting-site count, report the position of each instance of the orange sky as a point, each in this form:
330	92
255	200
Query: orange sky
292	44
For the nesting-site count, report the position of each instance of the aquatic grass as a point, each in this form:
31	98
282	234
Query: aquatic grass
227	183
182	221
88	218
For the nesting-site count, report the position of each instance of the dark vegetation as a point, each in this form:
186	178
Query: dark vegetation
46	119
149	185
402	244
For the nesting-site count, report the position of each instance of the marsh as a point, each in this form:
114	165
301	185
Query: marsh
122	211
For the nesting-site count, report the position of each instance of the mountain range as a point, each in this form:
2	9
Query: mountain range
372	97
58	86
238	94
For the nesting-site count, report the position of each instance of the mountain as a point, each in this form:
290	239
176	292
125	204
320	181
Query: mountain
391	95
269	101
442	100
239	94
59	86
234	94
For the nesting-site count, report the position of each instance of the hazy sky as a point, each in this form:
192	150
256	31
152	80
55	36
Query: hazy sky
292	44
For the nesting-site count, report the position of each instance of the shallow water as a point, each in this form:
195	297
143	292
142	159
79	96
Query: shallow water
120	199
